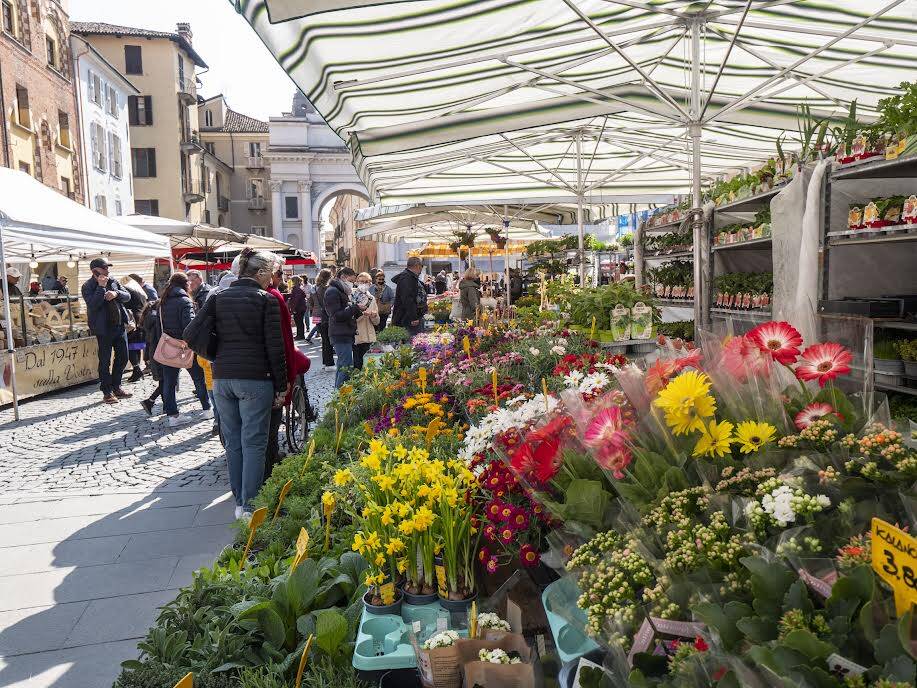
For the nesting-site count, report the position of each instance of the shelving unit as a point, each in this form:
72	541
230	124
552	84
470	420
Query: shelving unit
672	310
754	245
741	314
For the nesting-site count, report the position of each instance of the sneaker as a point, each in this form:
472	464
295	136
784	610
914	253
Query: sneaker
121	394
329	369
207	414
136	376
215	430
147	405
175	421
238	512
109	399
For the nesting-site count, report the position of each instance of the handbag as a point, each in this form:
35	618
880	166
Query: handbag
172	352
201	334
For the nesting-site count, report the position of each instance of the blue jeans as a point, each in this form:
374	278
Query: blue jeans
111	372
245	416
170	384
343	350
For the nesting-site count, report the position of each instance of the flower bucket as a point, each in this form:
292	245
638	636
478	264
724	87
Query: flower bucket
457	605
910	369
410	598
394	608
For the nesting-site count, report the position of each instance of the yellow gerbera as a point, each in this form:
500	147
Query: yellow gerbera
752	435
715	439
686	402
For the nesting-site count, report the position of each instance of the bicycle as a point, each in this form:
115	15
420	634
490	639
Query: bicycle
299	415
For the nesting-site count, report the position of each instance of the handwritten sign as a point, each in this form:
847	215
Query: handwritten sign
257	519
894	558
284	491
186	682
46	367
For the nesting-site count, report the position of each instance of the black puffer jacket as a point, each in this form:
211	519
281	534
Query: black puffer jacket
410	299
249	345
342	315
177	310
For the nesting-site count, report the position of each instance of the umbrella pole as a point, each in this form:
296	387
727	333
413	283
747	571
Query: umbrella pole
10	348
579	209
506	260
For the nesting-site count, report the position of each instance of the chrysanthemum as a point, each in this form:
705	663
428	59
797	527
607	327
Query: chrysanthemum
752	435
686	402
780	339
813	412
823	362
715	439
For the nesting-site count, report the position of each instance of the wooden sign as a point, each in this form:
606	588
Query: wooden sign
186	682
257	519
284	491
46	367
894	559
302	661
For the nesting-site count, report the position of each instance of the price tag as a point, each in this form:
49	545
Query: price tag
186	682
442	624
284	491
387	593
302	661
894	558
416	627
514	616
257	519
841	666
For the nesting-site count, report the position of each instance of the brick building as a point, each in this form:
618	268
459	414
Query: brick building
40	132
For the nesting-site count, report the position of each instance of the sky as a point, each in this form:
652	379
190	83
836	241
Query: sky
241	68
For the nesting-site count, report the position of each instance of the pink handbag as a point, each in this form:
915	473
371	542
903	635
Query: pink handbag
172	352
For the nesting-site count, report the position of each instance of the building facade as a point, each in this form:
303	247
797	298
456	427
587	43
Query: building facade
166	154
102	95
40	132
238	171
346	249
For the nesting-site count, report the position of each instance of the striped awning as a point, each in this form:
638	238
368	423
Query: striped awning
446	98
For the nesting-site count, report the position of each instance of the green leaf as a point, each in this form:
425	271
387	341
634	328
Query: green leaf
586	502
723	619
757	630
798	598
888	646
330	630
808	644
132	664
901	669
272	626
857	585
904	632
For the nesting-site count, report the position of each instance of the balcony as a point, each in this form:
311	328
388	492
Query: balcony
256	203
187	90
191	143
192	190
223	203
255	162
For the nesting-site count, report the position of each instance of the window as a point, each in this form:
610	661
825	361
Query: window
8	24
133	60
144	162
119	210
65	187
291	207
146	207
97	146
111	100
95	88
208	118
114	155
51	47
140	110
256	188
209	148
181	70
254	149
22	106
208	176
101	204
206	217
24	167
63	125
259	230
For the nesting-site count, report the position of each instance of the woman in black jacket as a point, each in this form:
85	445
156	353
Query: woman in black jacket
152	329
176	310
318	296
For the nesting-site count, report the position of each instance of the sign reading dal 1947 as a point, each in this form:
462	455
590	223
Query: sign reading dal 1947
47	367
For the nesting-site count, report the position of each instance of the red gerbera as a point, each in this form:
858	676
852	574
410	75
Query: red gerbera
691	360
823	362
743	359
539	456
813	412
780	339
605	435
529	556
658	374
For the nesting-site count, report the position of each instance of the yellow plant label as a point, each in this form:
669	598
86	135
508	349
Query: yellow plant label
894	558
302	661
258	518
284	491
186	682
441	580
302	542
387	593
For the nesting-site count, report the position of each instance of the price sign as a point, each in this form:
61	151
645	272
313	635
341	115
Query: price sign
257	519
894	558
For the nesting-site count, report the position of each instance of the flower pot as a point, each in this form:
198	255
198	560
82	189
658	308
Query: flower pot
457	605
888	365
420	599
394	608
888	379
910	368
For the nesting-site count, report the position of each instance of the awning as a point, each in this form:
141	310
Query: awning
42	223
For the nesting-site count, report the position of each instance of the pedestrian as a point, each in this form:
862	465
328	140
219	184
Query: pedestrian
249	370
152	330
176	311
321	285
148	289
60	285
12	281
441	282
343	307
385	296
298	307
199	288
515	286
107	318
410	304
470	294
428	285
366	323
136	337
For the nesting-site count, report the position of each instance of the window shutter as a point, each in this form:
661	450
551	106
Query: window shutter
148	106
132	110
151	161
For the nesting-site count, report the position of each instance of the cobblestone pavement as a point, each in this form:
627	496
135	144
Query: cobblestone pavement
69	441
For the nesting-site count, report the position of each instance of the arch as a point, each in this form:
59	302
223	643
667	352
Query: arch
325	195
63	42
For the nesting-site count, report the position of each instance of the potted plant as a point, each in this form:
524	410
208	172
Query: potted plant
454	509
886	361
907	350
392	336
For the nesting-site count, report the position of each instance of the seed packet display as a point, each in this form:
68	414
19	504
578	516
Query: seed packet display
620	323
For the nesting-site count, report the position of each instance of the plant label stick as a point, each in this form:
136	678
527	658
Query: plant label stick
894	558
303	660
186	682
493	377
302	548
309	452
257	519
284	491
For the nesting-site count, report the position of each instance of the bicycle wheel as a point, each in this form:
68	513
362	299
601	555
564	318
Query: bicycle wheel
298	419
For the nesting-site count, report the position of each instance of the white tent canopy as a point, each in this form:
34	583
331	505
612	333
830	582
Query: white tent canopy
42	223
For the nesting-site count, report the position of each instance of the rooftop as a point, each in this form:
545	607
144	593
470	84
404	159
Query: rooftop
104	29
237	122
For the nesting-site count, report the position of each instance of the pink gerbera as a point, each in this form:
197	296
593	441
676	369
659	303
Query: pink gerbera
780	339
605	435
813	412
823	362
743	359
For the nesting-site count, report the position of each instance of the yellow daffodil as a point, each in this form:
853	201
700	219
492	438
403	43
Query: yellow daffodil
715	439
378	448
342	477
370	580
394	546
387	518
400	452
371	461
372	541
423	519
406	527
384	481
402	565
403	509
752	435
358	542
380	559
423	491
686	402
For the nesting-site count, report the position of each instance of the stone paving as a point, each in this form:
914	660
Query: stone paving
104	514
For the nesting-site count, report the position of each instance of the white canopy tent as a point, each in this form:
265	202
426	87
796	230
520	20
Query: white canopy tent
609	96
38	223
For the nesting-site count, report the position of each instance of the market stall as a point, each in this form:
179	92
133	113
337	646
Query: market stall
47	341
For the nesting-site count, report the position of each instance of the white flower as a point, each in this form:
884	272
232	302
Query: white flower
823	500
594	383
573	378
534	351
491	620
442	639
558	350
497	656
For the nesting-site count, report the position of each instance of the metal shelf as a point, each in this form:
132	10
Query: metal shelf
740	314
671	256
752	244
749	204
872	236
896	388
674	303
876	168
667	227
896	325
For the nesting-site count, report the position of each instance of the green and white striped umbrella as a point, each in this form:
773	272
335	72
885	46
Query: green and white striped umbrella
442	98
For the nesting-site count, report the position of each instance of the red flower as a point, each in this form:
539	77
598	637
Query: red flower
780	339
605	435
529	556
743	359
506	513
507	535
519	520
719	673
691	360
492	565
483	555
658	374
813	412
490	532
823	362
539	456
493	510
700	644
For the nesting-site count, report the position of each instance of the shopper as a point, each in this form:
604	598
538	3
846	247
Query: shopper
366	323
148	289
199	288
60	285
515	286
385	296
298	306
321	285
470	294
12	281
315	307
107	318
441	282
136	338
249	370
410	303
428	285
151	326
343	307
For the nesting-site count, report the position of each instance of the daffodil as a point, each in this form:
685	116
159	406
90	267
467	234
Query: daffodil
400	452
358	542
380	559
752	435
370	580
372	541
371	461
715	439
406	527
342	477
394	546
384	481
387	518
423	519
686	402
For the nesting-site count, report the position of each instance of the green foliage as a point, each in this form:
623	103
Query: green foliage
393	334
745	283
898	113
153	674
683	329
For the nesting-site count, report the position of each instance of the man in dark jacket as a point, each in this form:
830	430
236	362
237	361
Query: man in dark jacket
410	298
199	289
342	321
515	286
107	317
